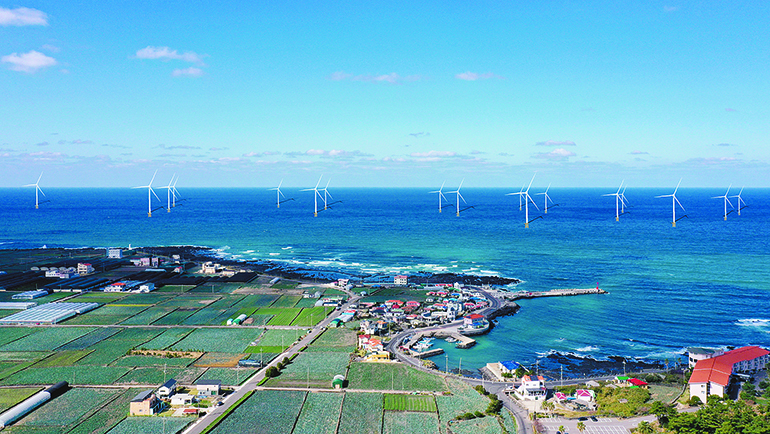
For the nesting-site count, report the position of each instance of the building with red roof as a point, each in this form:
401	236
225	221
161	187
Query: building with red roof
712	376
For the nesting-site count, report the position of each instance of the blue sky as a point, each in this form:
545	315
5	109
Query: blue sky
102	94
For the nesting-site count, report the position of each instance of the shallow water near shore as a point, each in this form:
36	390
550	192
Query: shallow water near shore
705	282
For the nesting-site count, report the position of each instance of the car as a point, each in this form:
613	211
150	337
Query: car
593	418
583	418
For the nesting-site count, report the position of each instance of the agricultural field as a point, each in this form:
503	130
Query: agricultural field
67	410
204	316
92	338
286	301
10	334
402	402
259	413
106	315
47	339
462	400
257	300
319	414
228	376
312	369
141	361
306	302
166	339
281	316
151	375
260	320
481	425
335	339
75	375
11	397
219	360
285	284
105	352
167	425
175	288
220	340
407	422
361	413
278	338
508	420
148	316
175	317
663	393
311	316
392	376
62	358
147	299
107	416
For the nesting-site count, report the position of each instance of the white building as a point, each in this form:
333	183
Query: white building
84	268
168	388
114	253
695	354
532	388
401	280
209	268
147	287
712	376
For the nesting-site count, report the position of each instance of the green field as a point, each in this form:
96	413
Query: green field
281	316
68	409
462	400
482	425
221	340
73	374
361	413
335	339
175	317
278	338
62	358
167	338
312	369
311	316
402	402
320	413
140	361
286	301
392	376
148	316
107	416
405	422
259	413
47	339
228	376
166	425
11	397
92	338
10	334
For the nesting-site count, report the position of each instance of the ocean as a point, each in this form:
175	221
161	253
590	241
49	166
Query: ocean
704	283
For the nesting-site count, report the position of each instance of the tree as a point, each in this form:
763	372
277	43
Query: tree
581	426
644	427
561	428
272	372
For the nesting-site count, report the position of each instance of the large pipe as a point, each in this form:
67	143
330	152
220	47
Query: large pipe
31	403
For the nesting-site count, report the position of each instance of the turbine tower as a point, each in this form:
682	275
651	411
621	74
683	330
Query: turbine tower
524	195
739	201
150	192
440	195
547	198
674	202
278	194
170	192
459	196
37	189
618	200
316	195
326	193
727	201
174	193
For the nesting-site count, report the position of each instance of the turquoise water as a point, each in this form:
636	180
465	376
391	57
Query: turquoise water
704	282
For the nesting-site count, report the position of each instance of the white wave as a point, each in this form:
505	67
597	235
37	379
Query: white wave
587	349
753	322
248	251
287	248
274	254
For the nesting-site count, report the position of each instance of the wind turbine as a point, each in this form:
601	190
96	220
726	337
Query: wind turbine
150	192
547	198
727	201
440	195
459	196
279	195
618	200
170	192
174	193
674	202
37	189
739	201
326	193
316	195
524	195
623	200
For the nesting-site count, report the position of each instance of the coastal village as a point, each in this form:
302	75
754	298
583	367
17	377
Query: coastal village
172	340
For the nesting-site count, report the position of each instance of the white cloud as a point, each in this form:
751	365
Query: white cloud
433	154
556	154
555	143
28	62
22	17
166	53
51	48
339	76
188	72
473	76
392	78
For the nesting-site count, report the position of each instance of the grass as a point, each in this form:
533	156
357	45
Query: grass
335	339
311	316
313	369
148	316
281	316
265	411
231	340
11	397
62	358
228	376
174	318
47	339
320	413
91	375
401	402
392	376
219	360
10	334
92	338
9	368
663	393
409	423
361	413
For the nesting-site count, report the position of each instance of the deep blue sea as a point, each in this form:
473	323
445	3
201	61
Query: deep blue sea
705	282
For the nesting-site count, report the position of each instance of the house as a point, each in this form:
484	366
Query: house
695	354
84	268
209	268
147	287
144	404
585	395
532	388
183	399
401	280
114	253
168	388
208	387
378	356
508	366
712	376
338	382
474	321
343	282
635	382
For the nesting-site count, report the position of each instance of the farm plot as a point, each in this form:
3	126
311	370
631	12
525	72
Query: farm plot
508	421
402	402
5	312
226	301
275	341
361	413
232	340
166	339
8	368
274	411
99	297
117	346
392	376
260	320
150	375
62	358
257	300
148	316
482	425
408	422
462	400
11	397
312	369
335	339
72	374
174	288
10	334
67	409
204	316
190	301
86	341
306	302
23	356
109	314
228	376
47	339
311	316
107	416
286	301
167	425
319	414
141	361
219	360
175	318
281	316
148	299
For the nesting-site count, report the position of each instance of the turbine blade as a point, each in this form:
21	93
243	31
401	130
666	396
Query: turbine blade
39	178
533	202
153	176
677	201
461	196
677	185
153	192
40	190
531	181
280	184
319	182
